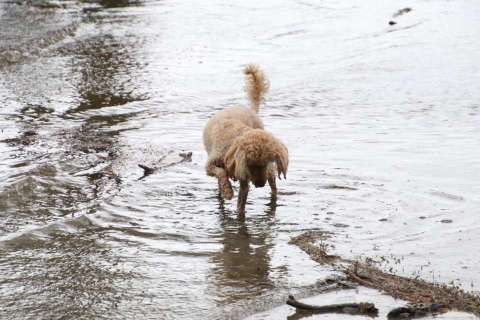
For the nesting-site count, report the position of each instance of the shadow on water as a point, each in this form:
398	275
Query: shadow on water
115	3
75	275
105	66
60	167
26	30
242	267
43	191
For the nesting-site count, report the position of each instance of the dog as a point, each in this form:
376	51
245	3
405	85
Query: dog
240	149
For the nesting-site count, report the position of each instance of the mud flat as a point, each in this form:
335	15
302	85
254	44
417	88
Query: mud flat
396	297
383	302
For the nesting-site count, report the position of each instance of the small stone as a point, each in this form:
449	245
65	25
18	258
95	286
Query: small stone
340	225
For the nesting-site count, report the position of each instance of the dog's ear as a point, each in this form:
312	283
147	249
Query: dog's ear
230	160
281	159
235	161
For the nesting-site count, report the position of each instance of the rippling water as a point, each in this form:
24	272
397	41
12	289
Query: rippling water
382	123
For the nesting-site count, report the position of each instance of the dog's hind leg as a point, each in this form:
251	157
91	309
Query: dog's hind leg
242	197
223	183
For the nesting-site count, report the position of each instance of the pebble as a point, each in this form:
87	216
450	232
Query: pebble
340	225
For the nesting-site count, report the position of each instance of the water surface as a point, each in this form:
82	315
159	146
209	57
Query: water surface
382	124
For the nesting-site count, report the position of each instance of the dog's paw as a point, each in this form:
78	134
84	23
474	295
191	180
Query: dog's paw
227	193
226	189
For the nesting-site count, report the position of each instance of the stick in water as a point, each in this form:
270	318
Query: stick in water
363	308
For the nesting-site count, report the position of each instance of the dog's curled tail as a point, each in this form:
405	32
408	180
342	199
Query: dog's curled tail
256	85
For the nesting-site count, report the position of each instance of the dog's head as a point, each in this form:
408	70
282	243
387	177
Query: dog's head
251	155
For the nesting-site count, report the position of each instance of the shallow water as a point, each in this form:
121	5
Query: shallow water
382	124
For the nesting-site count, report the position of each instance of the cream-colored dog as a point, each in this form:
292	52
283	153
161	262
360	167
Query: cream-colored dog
239	149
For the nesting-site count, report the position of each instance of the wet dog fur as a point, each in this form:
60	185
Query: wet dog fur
240	149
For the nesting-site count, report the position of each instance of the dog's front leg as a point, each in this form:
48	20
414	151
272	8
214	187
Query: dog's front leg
242	197
223	183
272	180
273	185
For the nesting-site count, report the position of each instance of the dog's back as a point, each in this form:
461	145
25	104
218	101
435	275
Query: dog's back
241	114
228	124
225	126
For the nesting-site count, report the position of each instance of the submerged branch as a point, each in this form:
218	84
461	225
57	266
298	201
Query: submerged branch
418	310
363	308
185	157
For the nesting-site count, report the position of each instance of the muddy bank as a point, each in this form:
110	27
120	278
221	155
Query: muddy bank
424	297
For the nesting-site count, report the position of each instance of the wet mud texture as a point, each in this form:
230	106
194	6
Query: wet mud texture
425	297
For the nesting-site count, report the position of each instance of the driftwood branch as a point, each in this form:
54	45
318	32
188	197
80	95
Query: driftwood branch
146	170
401	12
363	308
417	310
185	157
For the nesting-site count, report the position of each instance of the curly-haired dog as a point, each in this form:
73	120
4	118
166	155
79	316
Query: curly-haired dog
239	149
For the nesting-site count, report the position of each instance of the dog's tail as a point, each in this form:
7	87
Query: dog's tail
256	85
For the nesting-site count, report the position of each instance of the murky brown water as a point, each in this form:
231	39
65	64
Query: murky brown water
382	123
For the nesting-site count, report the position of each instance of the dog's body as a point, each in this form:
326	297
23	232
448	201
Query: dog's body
239	149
